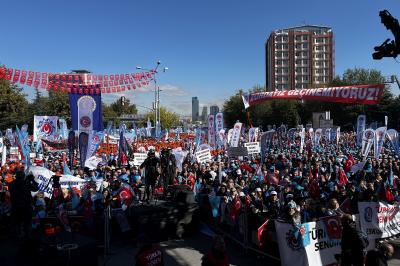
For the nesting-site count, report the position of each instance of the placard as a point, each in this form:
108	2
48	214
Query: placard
237	151
139	158
203	156
253	147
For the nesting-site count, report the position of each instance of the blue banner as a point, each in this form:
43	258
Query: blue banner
86	113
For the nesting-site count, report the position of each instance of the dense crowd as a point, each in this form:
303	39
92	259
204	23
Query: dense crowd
287	185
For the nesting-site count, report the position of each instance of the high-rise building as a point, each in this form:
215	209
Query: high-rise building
195	109
214	109
299	57
204	114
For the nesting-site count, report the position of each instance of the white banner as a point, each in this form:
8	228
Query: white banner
302	138
309	244
92	162
219	122
42	176
367	141
393	137
44	127
253	147
379	220
211	130
317	137
361	119
236	134
380	134
139	158
203	156
229	137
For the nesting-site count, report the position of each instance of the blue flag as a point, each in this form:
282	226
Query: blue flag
86	110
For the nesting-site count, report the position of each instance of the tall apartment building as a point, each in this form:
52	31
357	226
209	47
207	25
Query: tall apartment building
195	109
214	109
204	114
299	57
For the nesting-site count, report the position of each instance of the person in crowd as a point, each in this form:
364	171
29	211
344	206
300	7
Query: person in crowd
22	202
150	165
354	243
380	256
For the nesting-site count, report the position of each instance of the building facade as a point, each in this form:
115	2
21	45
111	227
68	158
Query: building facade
299	57
195	109
214	109
204	114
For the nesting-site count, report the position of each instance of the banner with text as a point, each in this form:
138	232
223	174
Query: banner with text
359	94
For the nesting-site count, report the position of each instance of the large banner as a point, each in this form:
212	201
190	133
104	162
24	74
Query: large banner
237	129
393	137
361	119
94	143
54	145
379	220
380	135
360	94
44	127
211	130
42	177
313	244
219	122
86	112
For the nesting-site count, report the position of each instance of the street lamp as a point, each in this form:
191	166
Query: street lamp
156	91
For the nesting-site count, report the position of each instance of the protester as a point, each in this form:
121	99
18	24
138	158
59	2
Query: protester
379	257
217	256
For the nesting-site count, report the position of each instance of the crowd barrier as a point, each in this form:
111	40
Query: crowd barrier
312	243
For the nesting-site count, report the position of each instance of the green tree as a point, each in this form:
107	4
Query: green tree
13	105
58	104
123	106
168	118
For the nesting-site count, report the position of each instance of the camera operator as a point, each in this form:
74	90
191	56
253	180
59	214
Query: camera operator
168	166
21	201
151	173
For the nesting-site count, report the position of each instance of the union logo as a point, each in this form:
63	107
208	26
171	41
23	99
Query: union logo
85	121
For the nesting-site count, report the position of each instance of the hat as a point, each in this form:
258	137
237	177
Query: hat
258	189
273	192
289	196
292	205
241	194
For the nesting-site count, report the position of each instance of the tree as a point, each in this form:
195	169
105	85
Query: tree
13	105
123	106
168	119
58	104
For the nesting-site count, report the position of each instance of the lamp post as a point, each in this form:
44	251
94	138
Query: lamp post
156	91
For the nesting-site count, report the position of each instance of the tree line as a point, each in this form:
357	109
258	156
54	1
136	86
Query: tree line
295	113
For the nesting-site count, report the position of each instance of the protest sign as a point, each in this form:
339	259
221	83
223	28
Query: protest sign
360	94
379	219
203	156
139	158
237	151
314	243
252	147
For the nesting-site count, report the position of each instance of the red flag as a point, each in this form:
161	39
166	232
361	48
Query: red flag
138	85
121	82
103	90
31	74
343	178
127	76
261	236
17	73
123	88
333	227
108	90
43	85
116	77
101	78
128	87
70	78
23	77
9	73
3	72
133	87
118	89
37	75
36	83
94	78
111	77
113	89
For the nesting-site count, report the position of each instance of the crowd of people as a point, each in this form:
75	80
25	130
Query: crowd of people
285	184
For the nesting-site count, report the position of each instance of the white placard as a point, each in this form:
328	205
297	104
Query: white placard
203	156
253	147
139	158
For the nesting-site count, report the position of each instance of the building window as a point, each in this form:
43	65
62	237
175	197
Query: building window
305	45
305	38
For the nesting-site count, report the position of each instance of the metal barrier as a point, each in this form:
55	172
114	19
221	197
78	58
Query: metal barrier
237	230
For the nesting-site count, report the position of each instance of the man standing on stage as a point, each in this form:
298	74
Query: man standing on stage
168	166
151	173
